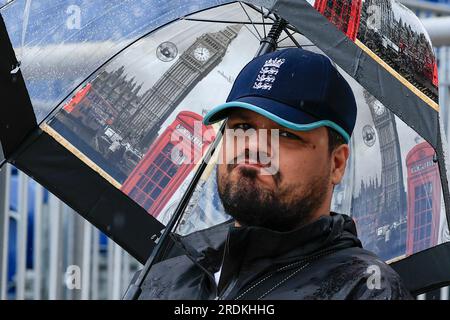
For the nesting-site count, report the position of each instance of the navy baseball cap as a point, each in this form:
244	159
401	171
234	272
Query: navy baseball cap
296	88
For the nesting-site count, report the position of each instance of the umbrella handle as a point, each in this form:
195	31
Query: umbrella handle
269	43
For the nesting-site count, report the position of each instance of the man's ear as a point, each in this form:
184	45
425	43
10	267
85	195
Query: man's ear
339	158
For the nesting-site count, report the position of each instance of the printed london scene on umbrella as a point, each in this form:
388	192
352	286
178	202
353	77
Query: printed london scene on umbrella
125	105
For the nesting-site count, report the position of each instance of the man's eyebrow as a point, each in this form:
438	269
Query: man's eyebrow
240	115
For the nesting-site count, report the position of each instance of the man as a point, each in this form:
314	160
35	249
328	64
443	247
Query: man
284	243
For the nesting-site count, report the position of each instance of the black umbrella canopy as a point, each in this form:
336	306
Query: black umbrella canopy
116	98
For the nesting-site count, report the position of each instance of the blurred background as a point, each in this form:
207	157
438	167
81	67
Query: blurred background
50	252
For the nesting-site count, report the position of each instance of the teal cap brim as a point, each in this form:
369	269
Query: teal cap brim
220	112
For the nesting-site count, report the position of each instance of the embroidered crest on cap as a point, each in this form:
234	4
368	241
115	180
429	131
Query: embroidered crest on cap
266	75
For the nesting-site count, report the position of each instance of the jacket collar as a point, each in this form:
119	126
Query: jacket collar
205	247
248	244
324	233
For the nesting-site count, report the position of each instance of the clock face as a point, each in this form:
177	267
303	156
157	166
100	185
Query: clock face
201	54
378	108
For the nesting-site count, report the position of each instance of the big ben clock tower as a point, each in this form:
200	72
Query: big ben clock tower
140	128
392	208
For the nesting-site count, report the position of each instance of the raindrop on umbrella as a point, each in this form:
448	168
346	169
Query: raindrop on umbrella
166	51
369	135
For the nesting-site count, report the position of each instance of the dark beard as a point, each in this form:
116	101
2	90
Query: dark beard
252	205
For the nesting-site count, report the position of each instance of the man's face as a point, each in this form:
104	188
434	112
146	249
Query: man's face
296	194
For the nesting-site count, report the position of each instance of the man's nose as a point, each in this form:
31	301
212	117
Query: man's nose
251	140
258	142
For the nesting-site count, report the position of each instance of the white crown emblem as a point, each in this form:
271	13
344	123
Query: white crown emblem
274	63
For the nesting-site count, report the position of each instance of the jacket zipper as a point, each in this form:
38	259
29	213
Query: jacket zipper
307	262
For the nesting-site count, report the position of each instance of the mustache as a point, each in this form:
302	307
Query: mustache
253	158
248	157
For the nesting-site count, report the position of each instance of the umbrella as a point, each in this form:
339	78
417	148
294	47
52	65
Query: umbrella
96	93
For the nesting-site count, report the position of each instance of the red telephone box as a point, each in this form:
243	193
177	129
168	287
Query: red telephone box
159	174
424	198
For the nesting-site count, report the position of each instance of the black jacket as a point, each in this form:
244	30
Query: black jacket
323	260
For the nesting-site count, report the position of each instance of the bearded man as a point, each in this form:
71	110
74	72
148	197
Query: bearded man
283	242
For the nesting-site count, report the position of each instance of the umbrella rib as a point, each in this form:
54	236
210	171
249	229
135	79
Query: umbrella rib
292	38
224	21
290	27
4	5
251	6
279	41
248	16
250	30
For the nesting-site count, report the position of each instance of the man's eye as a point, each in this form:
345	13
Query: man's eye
242	126
289	135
